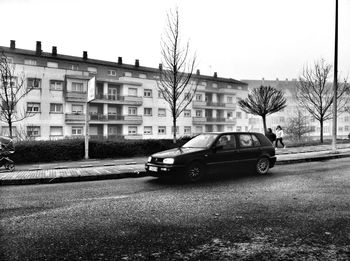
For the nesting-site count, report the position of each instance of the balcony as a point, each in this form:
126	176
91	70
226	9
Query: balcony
76	96
117	99
198	120
209	104
74	118
212	120
115	119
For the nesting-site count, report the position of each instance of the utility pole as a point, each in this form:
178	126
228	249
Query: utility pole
335	81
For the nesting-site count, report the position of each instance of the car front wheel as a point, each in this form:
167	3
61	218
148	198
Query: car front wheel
262	166
195	172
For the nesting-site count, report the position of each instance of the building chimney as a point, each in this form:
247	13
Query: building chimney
38	48
13	44
120	60
215	75
54	51
85	55
137	63
160	66
198	72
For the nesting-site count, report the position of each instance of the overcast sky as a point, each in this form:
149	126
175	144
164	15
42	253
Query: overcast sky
240	39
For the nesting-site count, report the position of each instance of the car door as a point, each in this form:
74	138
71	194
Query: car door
223	156
249	149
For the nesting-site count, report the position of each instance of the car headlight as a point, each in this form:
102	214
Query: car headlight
168	161
149	159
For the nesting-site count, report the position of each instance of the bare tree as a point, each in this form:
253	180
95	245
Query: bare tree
12	90
314	93
263	101
298	126
176	71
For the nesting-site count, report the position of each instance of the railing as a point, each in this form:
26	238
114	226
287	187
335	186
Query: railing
74	117
76	96
124	119
137	100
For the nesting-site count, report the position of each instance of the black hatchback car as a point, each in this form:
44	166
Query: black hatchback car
210	153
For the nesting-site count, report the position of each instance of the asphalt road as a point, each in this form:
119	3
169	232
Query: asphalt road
299	211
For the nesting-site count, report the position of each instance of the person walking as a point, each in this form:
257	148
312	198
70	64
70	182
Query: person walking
270	135
279	136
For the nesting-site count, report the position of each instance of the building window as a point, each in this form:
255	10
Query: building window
29	62
112	73
147	130
229	99
33	107
238	128
215	85
340	129
199	113
74	67
204	83
76	130
5	131
77	87
56	131
346	128
147	93
198	97
346	119
128	74
56	108
161	112
160	95
187	130
162	130
229	128
147	111
56	85
143	76
132	130
77	108
187	113
92	70
132	110
177	129
52	64
239	115
187	96
33	131
132	91
33	83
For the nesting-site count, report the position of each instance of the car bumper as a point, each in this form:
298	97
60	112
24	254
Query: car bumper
162	170
272	161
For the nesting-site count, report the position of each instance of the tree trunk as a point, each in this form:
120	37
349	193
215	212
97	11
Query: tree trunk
10	128
264	123
174	126
321	130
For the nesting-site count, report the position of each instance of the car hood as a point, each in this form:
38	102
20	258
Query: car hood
175	152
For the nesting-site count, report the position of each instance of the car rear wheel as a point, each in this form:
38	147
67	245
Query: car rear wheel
262	166
195	172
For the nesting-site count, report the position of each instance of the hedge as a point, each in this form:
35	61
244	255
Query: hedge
74	149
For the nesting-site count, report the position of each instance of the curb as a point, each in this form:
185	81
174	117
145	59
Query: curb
134	174
314	158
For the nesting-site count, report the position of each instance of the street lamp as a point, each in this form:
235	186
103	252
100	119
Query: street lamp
335	81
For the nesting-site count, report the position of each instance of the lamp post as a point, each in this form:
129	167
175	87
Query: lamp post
335	81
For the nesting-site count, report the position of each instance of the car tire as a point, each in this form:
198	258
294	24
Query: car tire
195	172
262	166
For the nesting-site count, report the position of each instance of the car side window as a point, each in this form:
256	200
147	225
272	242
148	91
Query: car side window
245	140
256	141
227	142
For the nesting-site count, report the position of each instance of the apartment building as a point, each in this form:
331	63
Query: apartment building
126	105
282	117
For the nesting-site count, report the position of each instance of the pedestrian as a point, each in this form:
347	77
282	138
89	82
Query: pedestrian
279	136
270	135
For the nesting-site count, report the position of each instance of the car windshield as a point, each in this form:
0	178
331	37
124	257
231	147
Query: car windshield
201	141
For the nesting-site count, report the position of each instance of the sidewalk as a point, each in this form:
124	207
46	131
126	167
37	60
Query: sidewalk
95	169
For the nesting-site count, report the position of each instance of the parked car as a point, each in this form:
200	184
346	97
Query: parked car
210	153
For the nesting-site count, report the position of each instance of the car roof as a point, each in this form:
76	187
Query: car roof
231	132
